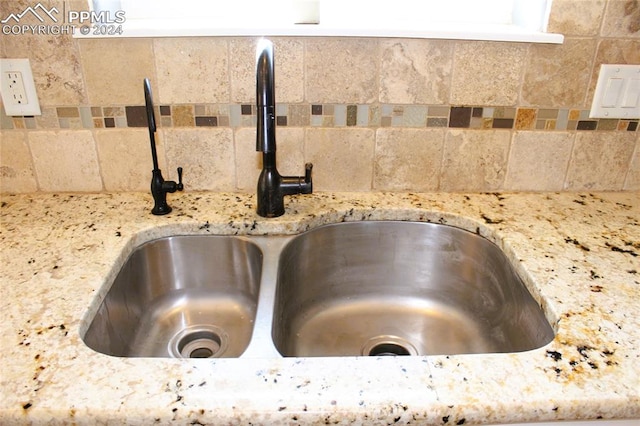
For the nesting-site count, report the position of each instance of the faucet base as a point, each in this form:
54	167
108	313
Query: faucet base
269	211
270	194
272	188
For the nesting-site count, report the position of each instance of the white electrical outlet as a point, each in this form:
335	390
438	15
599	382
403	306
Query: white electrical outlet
617	92
18	90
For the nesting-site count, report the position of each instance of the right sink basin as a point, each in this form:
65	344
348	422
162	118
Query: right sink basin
401	288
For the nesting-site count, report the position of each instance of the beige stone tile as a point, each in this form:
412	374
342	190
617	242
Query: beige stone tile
341	70
242	57
77	5
248	161
557	75
618	51
525	118
130	172
415	71
474	160
18	123
342	158
206	156
48	119
576	17
289	66
408	159
55	60
299	115
65	160
613	51
115	68
290	155
600	160
182	115
632	182
487	73
192	70
538	161
621	19
574	114
289	69
16	167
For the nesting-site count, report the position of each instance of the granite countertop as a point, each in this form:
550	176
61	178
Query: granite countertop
578	253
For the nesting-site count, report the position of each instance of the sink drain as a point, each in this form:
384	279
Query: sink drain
202	341
388	345
388	349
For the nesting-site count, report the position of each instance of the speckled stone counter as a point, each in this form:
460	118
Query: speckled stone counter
579	254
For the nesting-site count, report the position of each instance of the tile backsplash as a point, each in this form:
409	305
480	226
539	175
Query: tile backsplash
370	113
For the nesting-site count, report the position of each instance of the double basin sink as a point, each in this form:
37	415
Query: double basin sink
348	289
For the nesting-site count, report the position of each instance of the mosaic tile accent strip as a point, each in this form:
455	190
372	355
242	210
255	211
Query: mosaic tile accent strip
321	115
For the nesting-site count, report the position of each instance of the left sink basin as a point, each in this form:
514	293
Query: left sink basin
181	297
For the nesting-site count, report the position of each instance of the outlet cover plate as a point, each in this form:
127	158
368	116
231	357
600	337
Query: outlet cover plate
29	104
617	93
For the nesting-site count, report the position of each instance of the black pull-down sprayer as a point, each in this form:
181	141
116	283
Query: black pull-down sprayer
272	187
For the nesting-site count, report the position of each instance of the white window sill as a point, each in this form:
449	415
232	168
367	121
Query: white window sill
485	32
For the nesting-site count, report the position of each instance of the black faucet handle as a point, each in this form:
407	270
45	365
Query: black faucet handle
179	186
307	186
307	172
173	186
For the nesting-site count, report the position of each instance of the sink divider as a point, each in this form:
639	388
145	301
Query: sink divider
261	344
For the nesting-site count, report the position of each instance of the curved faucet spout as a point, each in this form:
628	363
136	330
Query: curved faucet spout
265	97
272	187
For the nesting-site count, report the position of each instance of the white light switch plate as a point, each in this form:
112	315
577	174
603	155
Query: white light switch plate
617	92
18	90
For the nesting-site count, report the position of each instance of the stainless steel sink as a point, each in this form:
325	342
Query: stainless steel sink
186	296
401	288
356	288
